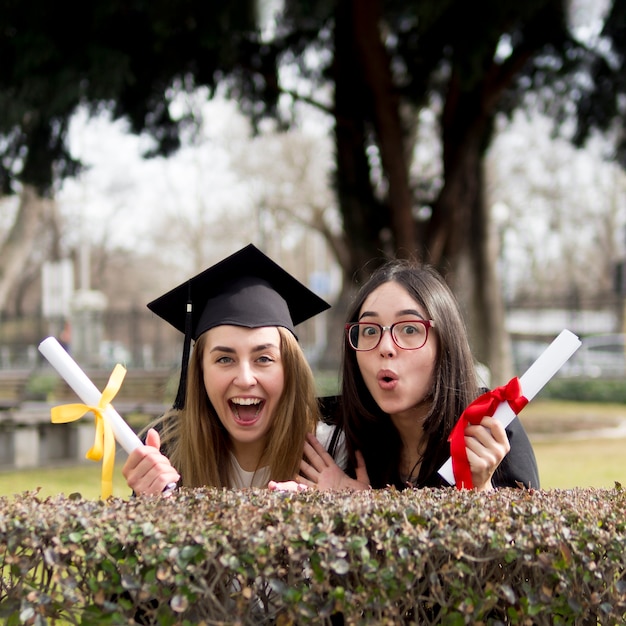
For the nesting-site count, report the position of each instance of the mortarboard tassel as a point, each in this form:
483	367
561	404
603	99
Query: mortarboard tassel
179	403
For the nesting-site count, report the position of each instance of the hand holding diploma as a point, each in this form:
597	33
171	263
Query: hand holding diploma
147	471
504	403
110	426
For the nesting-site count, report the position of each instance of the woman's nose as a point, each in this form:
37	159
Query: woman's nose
245	376
387	345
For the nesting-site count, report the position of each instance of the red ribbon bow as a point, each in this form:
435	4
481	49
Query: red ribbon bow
483	406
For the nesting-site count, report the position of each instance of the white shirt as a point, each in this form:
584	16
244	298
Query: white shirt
324	434
259	478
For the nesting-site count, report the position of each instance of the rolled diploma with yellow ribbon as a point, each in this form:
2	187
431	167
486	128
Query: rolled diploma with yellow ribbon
536	376
87	391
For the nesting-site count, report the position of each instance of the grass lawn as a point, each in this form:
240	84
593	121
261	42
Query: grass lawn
569	446
591	463
83	479
564	462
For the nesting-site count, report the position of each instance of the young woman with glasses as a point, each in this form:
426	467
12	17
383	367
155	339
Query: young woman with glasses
407	376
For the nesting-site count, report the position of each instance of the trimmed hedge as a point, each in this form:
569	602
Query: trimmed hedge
210	556
586	390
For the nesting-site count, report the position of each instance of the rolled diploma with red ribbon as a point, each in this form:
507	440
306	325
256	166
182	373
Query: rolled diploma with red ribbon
536	376
87	391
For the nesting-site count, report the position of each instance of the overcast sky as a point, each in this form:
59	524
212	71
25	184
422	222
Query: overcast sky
122	193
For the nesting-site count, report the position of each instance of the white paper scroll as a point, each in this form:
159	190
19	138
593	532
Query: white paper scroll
87	391
536	376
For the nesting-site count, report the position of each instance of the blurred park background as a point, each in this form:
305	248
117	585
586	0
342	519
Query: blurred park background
140	142
577	445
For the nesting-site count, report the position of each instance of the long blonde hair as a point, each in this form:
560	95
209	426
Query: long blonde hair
199	447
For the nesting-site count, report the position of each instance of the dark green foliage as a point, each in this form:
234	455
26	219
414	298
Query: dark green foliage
127	56
376	557
122	56
472	61
586	390
603	106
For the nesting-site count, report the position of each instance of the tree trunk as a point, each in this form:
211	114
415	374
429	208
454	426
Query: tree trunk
460	242
478	289
385	111
363	215
23	239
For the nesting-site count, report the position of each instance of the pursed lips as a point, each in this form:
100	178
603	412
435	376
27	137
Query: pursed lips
387	379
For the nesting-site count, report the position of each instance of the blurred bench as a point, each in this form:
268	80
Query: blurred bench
142	391
13	387
29	439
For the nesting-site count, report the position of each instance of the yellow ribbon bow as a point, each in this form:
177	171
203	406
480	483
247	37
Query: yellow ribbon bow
104	443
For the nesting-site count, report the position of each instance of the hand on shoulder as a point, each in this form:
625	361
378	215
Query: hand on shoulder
319	470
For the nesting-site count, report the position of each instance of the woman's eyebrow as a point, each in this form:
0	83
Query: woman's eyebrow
403	312
222	349
229	350
265	346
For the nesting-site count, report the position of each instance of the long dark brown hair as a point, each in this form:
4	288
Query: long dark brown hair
455	382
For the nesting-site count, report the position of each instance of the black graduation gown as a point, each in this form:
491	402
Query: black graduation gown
518	468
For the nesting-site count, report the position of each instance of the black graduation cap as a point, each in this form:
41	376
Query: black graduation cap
245	289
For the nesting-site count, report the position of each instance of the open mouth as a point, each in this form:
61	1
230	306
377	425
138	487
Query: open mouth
246	409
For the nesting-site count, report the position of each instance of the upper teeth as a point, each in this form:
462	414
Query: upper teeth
246	401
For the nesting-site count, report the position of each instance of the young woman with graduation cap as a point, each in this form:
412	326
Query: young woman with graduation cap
246	398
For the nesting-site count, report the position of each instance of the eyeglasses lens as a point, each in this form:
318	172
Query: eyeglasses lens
409	335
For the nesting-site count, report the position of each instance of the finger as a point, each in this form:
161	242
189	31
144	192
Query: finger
361	469
285	486
318	447
148	471
484	461
158	477
489	427
301	480
308	471
483	469
153	439
157	487
478	437
313	457
497	430
492	439
479	457
157	483
479	433
484	447
134	459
